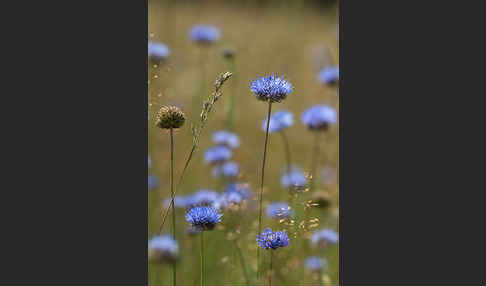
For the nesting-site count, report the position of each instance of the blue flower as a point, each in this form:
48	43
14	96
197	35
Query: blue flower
315	263
202	198
278	121
158	51
179	201
271	88
227	169
319	117
273	240
279	210
163	248
295	179
240	188
204	34
325	237
329	75
203	218
217	154
153	182
226	138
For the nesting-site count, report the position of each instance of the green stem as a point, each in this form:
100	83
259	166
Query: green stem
261	188
243	264
271	268
202	258
174	281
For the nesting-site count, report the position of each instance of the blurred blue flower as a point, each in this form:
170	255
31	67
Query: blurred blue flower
295	179
149	161
158	51
278	121
273	240
204	34
226	138
315	263
278	210
319	117
217	154
271	88
240	188
163	248
179	201
153	182
202	198
324	237
329	75
227	169
203	218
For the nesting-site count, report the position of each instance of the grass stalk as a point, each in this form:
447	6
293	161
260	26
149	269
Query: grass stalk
174	270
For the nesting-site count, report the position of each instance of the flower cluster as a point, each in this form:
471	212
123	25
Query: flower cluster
204	34
203	218
158	51
163	248
273	240
319	117
271	88
278	121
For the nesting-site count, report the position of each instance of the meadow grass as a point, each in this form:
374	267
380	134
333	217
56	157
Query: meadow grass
266	39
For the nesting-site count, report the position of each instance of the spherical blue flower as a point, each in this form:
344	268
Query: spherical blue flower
227	169
204	34
329	75
271	88
315	263
294	179
153	182
273	240
279	210
217	154
163	248
203	218
278	121
319	117
226	138
324	237
202	198
241	189
158	51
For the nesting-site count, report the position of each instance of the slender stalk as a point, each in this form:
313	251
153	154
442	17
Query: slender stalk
271	268
243	264
174	281
202	258
261	188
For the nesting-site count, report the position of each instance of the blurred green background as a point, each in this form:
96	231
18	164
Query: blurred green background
291	38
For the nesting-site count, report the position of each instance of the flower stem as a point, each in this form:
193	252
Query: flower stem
174	281
261	188
202	258
271	268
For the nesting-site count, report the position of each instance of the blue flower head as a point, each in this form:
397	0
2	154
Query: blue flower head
319	117
153	182
203	218
158	51
315	263
240	188
271	88
279	210
217	154
163	248
226	138
278	121
202	198
204	34
329	75
273	240
227	169
294	179
324	237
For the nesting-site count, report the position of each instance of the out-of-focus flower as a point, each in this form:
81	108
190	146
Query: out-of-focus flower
279	210
204	34
158	51
294	179
315	263
163	248
319	117
329	75
278	121
153	182
217	154
227	169
324	237
226	138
